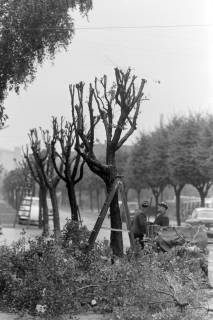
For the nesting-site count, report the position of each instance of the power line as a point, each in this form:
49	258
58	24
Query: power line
147	27
175	26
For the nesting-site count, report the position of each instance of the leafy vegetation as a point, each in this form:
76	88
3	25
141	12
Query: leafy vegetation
175	154
30	31
50	278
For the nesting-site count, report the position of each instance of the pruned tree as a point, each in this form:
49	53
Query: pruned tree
39	179
41	151
62	151
117	107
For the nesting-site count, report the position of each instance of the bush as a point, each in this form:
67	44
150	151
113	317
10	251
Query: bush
50	278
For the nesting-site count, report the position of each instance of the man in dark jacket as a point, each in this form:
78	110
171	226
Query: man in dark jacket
139	223
162	219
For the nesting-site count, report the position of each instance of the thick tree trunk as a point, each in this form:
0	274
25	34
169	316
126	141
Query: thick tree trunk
72	201
45	211
17	200
56	218
156	196
202	198
116	240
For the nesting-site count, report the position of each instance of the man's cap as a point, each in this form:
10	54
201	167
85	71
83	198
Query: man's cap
145	204
163	204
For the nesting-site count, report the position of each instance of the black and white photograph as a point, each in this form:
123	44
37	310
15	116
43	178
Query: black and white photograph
106	159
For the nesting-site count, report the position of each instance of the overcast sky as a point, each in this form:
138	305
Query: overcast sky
180	58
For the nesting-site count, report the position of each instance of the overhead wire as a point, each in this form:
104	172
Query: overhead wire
175	26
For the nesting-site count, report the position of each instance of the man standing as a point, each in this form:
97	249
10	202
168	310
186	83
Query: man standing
140	223
162	219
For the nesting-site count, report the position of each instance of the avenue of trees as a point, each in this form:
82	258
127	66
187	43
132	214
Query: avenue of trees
176	154
62	153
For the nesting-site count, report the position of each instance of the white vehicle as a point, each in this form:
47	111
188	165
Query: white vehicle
201	216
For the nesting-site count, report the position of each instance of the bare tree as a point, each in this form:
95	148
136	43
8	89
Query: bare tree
38	177
51	179
62	151
117	108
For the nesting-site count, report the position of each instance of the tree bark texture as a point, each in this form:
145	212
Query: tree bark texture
45	211
72	201
56	218
177	191
116	240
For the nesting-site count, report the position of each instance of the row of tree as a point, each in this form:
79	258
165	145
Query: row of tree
62	153
175	154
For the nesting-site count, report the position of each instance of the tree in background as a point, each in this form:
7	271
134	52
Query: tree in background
41	151
149	163
32	30
192	138
118	108
14	184
137	166
202	154
176	160
62	152
157	175
39	179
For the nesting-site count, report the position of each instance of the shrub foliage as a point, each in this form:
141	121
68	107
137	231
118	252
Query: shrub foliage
53	278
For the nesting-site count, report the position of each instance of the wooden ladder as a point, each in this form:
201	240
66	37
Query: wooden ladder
118	185
25	203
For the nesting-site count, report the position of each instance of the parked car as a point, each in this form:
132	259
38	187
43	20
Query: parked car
202	216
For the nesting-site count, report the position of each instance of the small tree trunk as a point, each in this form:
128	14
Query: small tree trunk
56	218
72	201
45	211
177	190
17	199
156	196
40	217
